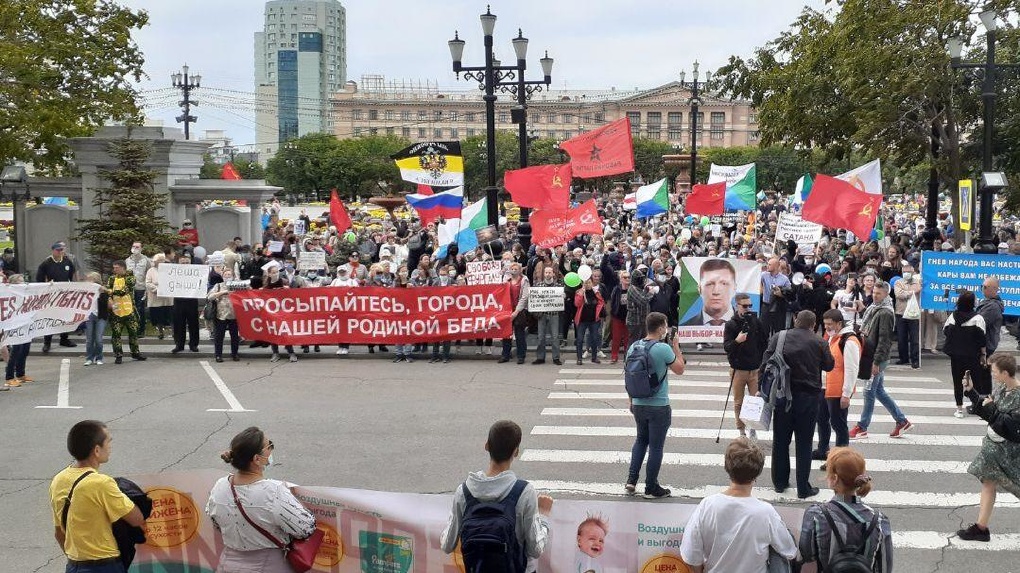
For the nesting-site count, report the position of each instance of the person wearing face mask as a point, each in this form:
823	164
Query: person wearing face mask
519	287
447	278
224	320
907	329
138	264
344	279
247	496
185	318
275	280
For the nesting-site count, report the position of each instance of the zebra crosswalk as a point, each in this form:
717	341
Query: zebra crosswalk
581	446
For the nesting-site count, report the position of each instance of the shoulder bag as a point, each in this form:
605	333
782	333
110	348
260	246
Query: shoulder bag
300	553
67	502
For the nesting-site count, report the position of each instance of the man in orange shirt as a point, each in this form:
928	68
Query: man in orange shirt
840	383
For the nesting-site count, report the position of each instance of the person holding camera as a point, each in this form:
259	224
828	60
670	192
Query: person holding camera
848	300
744	340
776	287
654	415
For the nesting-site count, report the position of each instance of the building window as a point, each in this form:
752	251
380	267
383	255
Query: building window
373	114
753	136
437	115
357	132
718	118
752	118
421	133
600	117
654	133
654	119
674	119
437	133
504	117
373	130
422	116
674	133
552	118
405	131
454	133
389	131
635	122
454	116
469	117
389	115
568	118
471	132
585	118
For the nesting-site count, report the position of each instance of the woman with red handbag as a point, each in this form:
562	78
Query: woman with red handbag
265	529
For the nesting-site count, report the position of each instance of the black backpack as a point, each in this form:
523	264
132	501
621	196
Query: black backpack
849	558
639	375
867	354
488	533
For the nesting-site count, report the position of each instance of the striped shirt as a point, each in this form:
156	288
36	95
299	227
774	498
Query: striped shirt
852	518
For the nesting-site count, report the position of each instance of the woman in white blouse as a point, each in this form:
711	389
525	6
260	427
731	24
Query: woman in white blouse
267	502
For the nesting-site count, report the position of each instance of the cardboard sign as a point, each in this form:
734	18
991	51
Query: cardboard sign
311	260
275	246
300	227
792	227
484	272
546	299
215	260
183	281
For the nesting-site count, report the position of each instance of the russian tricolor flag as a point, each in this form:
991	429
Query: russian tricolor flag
430	207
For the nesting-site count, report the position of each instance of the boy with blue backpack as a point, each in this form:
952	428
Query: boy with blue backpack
499	520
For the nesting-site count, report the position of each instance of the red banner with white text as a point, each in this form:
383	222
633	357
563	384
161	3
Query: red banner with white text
373	315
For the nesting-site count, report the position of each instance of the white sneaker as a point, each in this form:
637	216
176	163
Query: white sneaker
88	363
293	357
602	354
490	350
99	362
275	358
960	414
479	351
585	355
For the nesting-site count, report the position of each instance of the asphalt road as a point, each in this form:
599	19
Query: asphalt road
369	423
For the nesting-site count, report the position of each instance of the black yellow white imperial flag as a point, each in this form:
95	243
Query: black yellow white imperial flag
435	163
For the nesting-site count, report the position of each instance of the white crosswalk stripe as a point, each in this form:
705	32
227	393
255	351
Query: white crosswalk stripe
585	427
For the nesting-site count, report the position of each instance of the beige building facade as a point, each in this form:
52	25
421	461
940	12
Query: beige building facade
429	113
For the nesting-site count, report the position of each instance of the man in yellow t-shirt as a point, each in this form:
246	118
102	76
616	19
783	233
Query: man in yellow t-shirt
96	503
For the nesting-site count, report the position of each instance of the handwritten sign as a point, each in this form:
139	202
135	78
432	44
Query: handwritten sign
183	281
275	246
484	272
545	299
215	260
311	260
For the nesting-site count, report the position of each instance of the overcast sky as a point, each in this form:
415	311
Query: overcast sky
596	43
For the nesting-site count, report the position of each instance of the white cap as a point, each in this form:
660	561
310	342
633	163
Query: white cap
274	264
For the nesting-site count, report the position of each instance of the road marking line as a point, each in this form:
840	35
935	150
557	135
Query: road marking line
235	405
677	414
709	434
604	372
877	498
940	404
718	461
685	383
63	388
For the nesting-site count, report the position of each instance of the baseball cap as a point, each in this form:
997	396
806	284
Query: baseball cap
58	246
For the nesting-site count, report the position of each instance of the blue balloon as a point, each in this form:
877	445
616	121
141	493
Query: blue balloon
874	235
892	282
823	268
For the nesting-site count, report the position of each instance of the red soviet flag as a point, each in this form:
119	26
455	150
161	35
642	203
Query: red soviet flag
554	227
540	187
230	173
607	150
337	214
707	199
839	205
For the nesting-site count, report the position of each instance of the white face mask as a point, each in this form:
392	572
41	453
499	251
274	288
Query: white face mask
908	275
269	462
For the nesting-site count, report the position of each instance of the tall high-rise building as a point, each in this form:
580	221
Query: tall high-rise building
300	61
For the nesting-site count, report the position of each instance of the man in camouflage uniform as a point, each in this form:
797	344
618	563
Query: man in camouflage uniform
121	288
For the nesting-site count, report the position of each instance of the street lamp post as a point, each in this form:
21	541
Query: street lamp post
182	81
695	102
508	79
988	96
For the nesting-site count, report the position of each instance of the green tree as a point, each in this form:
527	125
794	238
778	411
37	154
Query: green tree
648	159
210	169
65	67
869	76
128	209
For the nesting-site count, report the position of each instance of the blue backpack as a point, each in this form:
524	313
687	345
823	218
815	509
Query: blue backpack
639	375
488	533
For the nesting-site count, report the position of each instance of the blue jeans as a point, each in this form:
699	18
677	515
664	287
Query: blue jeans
877	390
589	333
94	329
16	361
112	567
652	425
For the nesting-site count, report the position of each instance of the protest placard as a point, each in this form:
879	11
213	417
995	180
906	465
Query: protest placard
300	227
275	246
215	260
28	311
708	288
545	299
484	272
183	281
311	260
792	227
944	273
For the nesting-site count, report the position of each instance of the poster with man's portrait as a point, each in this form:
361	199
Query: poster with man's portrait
708	286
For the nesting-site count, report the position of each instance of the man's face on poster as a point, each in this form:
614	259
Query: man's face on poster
717	289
